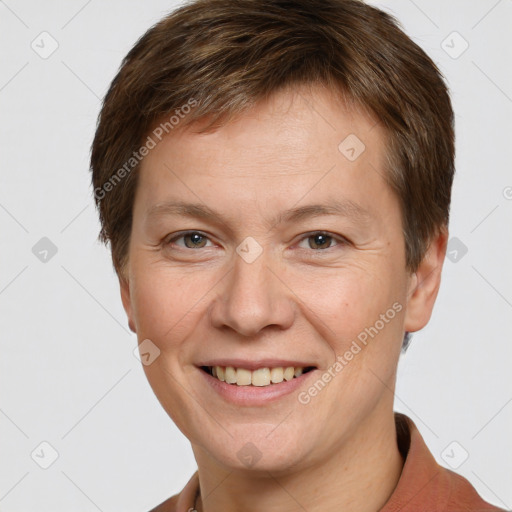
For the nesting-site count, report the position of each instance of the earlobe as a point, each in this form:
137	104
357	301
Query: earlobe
124	285
424	284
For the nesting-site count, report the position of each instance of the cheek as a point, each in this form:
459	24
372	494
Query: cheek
346	300
364	311
167	304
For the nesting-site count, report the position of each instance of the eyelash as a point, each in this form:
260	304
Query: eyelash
341	241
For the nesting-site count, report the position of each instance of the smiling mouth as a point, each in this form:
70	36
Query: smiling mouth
260	377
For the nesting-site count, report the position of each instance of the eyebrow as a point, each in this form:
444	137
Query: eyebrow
341	208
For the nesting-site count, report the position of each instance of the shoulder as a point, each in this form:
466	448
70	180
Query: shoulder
463	496
424	485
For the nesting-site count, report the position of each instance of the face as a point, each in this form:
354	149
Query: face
270	243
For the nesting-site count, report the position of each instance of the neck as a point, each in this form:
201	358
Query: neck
359	476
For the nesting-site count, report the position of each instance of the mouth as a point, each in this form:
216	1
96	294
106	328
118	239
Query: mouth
259	377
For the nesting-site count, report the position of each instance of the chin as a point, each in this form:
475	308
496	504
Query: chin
259	447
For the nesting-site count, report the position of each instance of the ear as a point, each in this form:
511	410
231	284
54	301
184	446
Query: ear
425	282
124	285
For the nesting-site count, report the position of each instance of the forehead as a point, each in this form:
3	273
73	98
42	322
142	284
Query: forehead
300	143
296	122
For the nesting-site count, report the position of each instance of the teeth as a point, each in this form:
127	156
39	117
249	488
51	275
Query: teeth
289	373
243	377
230	375
276	375
260	377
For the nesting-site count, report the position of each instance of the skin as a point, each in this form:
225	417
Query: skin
295	301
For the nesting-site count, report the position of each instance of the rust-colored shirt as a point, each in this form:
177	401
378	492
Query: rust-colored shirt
424	485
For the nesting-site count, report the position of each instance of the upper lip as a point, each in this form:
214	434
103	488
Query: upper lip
254	364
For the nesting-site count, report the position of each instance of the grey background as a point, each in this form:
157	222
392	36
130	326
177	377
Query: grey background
68	375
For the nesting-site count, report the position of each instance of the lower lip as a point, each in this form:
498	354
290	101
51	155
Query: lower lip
254	395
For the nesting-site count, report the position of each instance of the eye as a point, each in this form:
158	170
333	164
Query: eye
318	241
321	241
192	240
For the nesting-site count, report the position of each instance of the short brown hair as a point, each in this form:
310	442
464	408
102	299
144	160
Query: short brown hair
225	55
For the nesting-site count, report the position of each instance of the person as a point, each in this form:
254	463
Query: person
274	181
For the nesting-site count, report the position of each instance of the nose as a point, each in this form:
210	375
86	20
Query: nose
253	297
